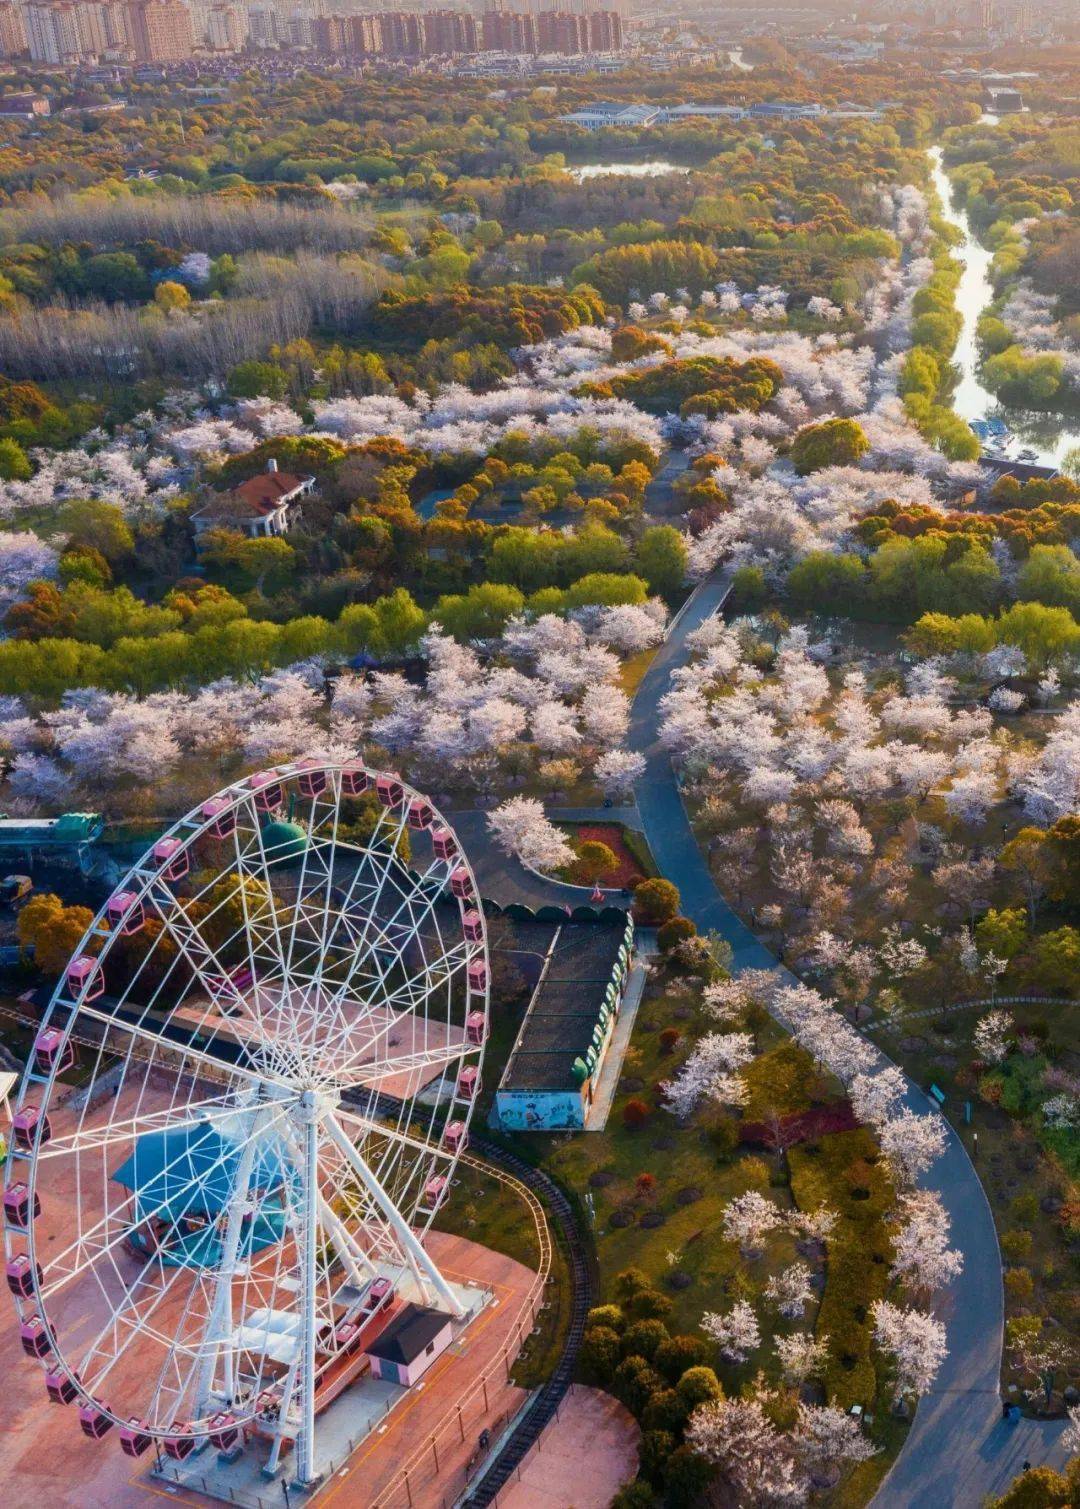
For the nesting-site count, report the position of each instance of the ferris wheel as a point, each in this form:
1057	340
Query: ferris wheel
286	1002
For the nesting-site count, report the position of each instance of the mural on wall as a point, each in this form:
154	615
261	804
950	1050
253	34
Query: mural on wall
540	1110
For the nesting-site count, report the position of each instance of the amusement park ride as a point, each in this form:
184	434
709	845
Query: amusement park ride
288	997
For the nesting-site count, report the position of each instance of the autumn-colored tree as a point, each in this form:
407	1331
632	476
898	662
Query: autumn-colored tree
52	930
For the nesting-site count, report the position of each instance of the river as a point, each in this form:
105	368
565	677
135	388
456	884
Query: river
1049	436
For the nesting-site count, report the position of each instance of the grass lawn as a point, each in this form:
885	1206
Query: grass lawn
1017	1172
632	671
485	1210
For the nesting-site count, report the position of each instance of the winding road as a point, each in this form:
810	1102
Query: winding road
958	1450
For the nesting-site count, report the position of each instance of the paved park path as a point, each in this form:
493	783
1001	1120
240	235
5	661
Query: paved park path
959	1450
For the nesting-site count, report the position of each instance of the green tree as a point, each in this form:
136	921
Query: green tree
604	589
661	559
1042	633
116	277
102	526
1056	960
481	613
14	463
656	902
1003	933
1051	575
834	442
253	379
1062	850
823	579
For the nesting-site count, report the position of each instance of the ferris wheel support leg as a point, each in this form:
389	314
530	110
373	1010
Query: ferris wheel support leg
401	1228
309	1258
283	1412
355	1258
220	1327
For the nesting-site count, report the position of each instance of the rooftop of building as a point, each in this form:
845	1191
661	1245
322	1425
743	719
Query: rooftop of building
256	497
563	1013
408	1335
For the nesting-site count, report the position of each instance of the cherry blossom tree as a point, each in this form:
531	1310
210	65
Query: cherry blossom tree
756	1462
617	770
877	1097
23	559
916	1342
790	1291
747	1219
911	1143
922	1257
826	1438
710	1072
992	1035
802	1356
736	1333
520	828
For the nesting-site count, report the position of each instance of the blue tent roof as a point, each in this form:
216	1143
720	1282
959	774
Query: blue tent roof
192	1170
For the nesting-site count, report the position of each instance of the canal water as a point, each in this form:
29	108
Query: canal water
1050	436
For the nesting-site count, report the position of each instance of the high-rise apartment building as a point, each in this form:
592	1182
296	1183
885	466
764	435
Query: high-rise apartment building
508	31
161	30
560	31
226	28
12	31
53	32
76	31
449	31
605	31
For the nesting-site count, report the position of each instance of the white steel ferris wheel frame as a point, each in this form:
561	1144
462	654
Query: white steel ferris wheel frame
308	1141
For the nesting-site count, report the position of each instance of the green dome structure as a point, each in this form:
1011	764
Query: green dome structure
284	840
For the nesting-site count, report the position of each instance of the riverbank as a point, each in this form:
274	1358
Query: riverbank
1048	436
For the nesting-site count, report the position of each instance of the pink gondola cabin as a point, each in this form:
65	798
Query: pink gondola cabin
461	883
420	814
93	1421
221	815
476	1028
442	841
30	1125
354	780
181	1443
269	792
171	857
346	1334
84	977
380	1293
389	790
19	1210
50	1051
468	1082
455	1137
35	1338
477	975
435	1192
135	1438
311	778
224	1432
60	1387
21	1273
125	913
472	925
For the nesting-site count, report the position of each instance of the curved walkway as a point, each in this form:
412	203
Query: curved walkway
958	1450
